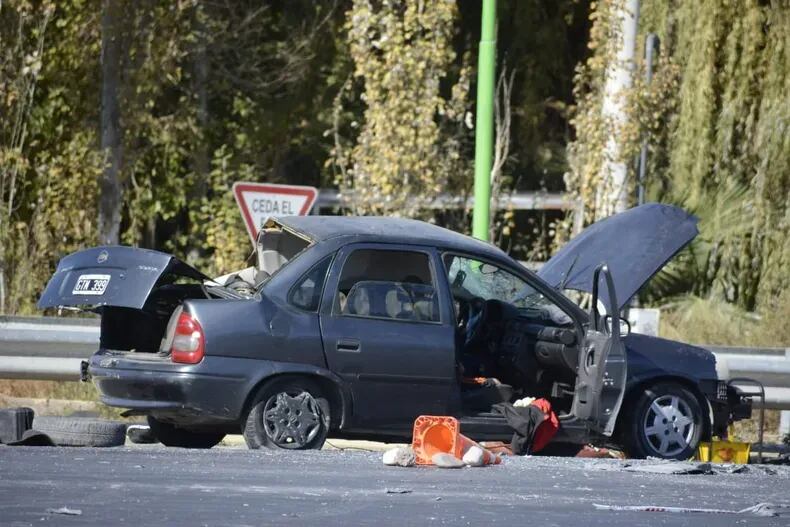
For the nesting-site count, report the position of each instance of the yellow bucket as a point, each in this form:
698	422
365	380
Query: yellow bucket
724	452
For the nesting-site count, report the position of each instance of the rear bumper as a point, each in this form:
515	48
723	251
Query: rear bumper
212	392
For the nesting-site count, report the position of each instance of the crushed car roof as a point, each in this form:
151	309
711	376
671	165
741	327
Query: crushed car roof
387	230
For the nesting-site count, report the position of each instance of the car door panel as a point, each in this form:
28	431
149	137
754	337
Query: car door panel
397	369
601	376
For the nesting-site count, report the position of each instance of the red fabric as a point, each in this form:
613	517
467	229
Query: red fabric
473	380
548	428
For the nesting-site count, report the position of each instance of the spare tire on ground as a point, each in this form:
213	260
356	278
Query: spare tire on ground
81	431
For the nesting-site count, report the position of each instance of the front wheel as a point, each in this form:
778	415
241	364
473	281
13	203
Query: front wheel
288	413
666	421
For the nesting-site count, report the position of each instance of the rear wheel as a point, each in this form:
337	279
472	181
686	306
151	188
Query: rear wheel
666	421
288	413
170	435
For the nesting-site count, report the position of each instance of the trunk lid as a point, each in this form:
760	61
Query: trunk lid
635	244
114	276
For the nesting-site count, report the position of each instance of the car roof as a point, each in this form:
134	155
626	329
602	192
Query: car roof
388	230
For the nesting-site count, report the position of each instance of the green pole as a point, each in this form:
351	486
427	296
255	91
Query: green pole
484	126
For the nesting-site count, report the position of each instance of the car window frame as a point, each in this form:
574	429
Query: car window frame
560	300
303	276
350	249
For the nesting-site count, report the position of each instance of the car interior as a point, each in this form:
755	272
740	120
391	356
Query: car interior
511	341
388	284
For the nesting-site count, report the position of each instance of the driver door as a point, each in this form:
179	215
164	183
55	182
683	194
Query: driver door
601	377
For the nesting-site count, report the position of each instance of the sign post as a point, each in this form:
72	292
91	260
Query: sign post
258	201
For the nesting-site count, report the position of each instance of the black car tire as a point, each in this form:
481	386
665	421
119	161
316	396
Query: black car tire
298	416
170	435
646	432
81	431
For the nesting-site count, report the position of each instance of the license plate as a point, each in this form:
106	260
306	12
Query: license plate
91	284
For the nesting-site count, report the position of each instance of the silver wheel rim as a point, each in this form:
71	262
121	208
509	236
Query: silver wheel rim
292	420
669	425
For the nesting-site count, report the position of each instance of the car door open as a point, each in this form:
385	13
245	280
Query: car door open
601	377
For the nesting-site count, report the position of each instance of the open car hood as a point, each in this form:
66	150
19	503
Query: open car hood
635	244
111	276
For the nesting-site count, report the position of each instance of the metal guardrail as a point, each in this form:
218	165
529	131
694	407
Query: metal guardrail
51	348
526	200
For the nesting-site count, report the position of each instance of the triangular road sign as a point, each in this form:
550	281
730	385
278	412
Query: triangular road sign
258	201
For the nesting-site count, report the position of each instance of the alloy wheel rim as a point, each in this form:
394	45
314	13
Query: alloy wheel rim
292	421
669	425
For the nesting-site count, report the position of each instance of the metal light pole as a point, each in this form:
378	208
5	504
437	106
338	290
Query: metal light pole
612	197
651	48
484	125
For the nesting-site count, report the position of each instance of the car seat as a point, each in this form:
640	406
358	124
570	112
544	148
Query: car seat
379	299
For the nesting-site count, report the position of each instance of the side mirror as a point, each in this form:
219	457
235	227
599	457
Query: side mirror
625	326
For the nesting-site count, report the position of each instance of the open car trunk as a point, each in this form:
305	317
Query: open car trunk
134	290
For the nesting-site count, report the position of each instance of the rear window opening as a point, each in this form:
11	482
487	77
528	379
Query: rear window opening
274	249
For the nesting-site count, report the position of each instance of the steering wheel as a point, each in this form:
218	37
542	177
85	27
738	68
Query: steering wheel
476	323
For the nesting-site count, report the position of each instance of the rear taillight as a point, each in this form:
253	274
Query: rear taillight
188	341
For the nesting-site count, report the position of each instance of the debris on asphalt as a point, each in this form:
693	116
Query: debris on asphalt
761	509
399	457
397	491
475	457
445	460
783	459
672	468
141	434
65	511
590	451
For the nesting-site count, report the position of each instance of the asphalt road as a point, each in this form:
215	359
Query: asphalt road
158	486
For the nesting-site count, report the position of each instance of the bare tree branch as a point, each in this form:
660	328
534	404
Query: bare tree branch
502	120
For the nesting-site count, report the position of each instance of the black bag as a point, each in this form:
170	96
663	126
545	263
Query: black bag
14	422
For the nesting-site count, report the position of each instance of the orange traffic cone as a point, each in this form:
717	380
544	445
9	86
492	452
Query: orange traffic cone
437	434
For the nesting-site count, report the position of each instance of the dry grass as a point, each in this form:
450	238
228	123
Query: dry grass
58	394
706	321
76	391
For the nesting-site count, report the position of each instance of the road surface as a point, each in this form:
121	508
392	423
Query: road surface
153	485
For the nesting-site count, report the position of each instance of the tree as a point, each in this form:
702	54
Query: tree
402	159
111	187
715	117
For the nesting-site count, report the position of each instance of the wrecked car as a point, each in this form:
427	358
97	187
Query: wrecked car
354	326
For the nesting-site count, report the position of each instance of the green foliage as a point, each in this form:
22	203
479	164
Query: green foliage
716	118
48	161
376	96
402	160
210	94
